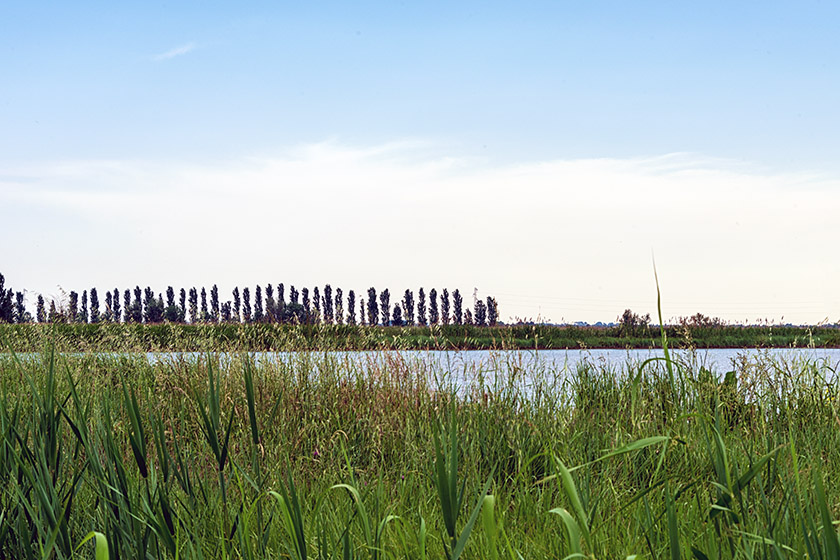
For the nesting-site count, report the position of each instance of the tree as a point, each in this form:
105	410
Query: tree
246	304
630	323
480	313
21	314
373	308
236	305
54	317
137	309
226	313
281	302
385	306
362	311
153	312
457	304
270	308
444	307
351	307
129	317
214	303
328	305
83	310
316	304
293	295
421	307
193	305
205	314
433	307
117	315
396	318
307	312
73	309
94	306
109	307
7	307
339	307
40	312
468	318
182	299
172	313
492	311
258	305
408	307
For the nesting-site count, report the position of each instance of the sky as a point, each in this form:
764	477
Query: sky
545	153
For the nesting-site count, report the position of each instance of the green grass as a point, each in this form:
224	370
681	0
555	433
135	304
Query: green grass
324	456
109	337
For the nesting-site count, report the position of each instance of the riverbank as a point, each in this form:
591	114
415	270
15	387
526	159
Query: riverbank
109	337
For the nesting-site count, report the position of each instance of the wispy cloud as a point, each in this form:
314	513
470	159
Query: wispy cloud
177	51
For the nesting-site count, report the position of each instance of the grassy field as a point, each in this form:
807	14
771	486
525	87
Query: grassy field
325	457
108	337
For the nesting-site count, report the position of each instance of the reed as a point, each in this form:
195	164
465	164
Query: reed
381	456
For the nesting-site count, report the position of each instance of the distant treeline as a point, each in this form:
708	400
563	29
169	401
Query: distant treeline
143	306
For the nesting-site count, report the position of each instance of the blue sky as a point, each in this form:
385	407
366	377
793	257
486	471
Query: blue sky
546	149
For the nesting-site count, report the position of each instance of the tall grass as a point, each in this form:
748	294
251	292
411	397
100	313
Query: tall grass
335	456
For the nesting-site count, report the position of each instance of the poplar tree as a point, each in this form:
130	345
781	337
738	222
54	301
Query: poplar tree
373	308
193	305
7	302
385	306
183	305
492	311
281	303
293	295
54	316
115	301
339	307
316	301
444	307
307	312
468	318
94	306
270	308
129	317
480	313
433	307
457	304
396	318
83	311
109	306
246	304
328	305
362	312
421	307
236	305
351	307
408	307
171	313
214	303
40	312
21	315
226	311
137	310
205	314
73	307
258	305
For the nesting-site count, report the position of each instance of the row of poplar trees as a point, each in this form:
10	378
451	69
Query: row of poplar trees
269	306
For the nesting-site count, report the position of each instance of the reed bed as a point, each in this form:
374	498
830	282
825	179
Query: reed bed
379	455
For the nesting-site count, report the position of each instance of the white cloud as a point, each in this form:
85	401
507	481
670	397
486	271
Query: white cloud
177	51
562	238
